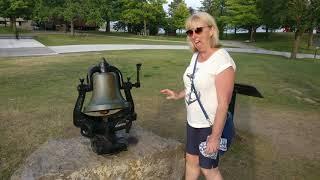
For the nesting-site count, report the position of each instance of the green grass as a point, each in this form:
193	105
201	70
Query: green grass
157	37
277	41
283	82
38	95
85	38
8	30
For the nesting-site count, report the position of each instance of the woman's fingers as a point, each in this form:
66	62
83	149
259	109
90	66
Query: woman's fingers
165	91
170	94
212	146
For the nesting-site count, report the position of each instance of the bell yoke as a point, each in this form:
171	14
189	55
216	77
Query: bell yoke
107	112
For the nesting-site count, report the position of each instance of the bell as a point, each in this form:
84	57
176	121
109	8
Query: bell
106	95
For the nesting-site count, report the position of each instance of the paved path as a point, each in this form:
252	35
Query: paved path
87	48
20	43
108	47
26	51
31	47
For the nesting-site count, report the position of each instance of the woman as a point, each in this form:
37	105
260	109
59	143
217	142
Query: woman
213	72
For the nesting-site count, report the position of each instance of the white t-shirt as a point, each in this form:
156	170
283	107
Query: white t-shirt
204	82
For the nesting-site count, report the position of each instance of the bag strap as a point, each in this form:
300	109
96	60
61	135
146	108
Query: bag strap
193	89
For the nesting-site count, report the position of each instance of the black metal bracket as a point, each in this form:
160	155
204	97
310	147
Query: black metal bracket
102	130
243	89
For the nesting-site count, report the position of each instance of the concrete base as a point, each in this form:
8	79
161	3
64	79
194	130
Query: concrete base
152	157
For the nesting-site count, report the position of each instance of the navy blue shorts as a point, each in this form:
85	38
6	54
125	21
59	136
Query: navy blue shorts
194	137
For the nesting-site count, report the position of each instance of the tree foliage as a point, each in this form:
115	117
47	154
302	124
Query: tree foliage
217	8
301	15
16	8
47	10
142	11
73	10
173	6
271	12
180	15
243	14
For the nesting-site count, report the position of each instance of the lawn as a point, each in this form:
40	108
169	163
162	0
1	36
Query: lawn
37	96
277	41
84	38
8	30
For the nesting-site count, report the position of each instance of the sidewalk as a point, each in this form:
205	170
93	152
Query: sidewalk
23	47
31	47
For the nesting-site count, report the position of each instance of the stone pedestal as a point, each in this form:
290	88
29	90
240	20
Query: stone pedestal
152	157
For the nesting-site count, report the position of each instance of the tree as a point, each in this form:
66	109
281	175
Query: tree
301	14
173	6
41	12
46	10
4	5
217	8
180	15
72	11
100	11
95	11
159	20
142	11
314	21
243	14
270	12
16	8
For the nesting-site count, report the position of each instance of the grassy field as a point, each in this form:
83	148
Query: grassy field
37	96
8	30
179	37
277	41
84	38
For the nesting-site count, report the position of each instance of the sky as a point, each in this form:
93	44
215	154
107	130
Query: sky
195	4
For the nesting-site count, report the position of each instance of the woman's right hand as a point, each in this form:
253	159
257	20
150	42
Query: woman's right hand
170	94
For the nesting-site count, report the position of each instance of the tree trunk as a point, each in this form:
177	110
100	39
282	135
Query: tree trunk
129	28
66	27
296	44
235	30
254	29
108	26
11	22
251	34
267	32
310	38
226	33
145	27
72	28
13	25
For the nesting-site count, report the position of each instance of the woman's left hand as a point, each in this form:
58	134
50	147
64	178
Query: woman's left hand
212	144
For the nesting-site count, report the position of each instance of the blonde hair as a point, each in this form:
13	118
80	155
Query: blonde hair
210	21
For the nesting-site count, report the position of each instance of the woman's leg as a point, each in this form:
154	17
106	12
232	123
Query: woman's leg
212	174
192	167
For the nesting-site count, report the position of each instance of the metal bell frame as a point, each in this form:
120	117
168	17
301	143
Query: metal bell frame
101	130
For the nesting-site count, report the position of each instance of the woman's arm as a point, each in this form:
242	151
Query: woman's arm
224	85
172	94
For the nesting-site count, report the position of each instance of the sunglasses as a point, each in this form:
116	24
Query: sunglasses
198	30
